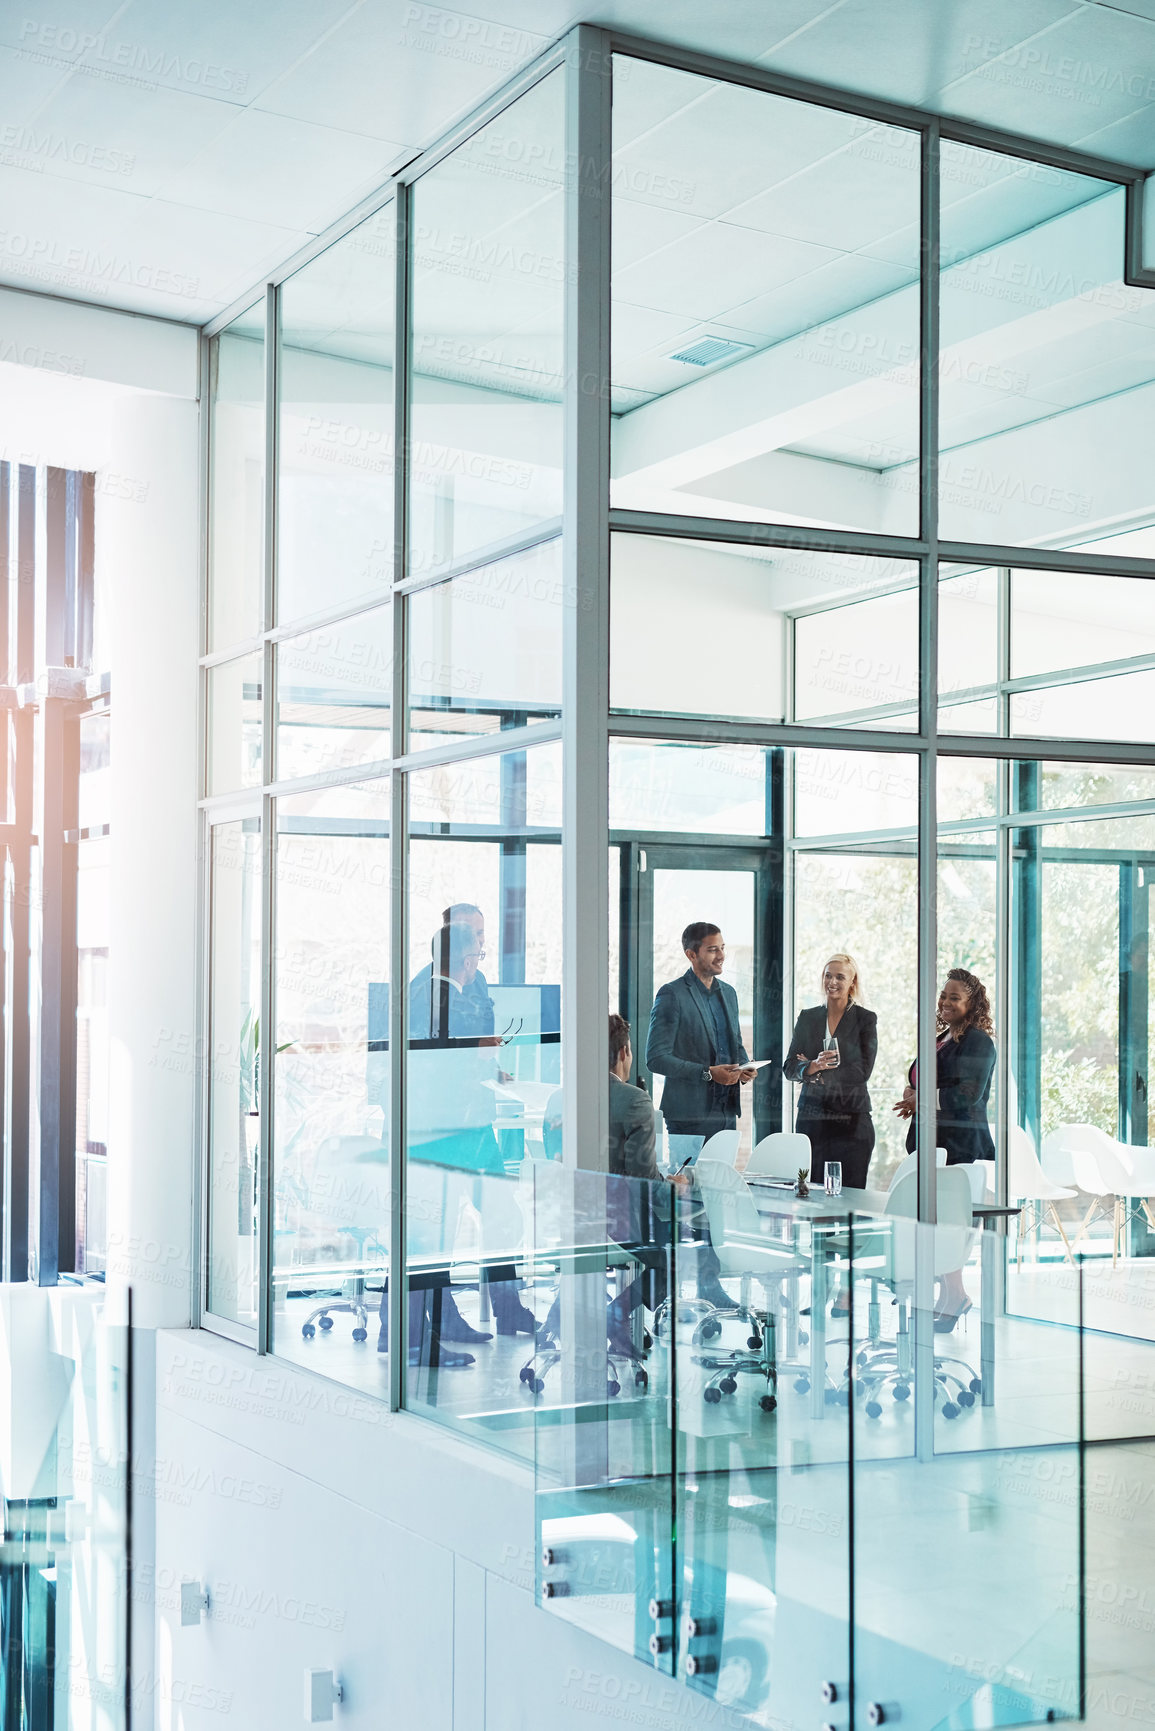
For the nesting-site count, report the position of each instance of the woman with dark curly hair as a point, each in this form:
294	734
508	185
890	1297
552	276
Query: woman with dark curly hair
965	1069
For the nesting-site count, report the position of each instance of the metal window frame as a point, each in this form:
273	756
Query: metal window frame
588	724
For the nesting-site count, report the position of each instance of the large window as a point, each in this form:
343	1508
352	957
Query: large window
629	555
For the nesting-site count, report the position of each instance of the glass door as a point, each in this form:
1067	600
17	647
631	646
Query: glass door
667	888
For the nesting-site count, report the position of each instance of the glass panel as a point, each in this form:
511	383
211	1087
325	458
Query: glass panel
686	789
967	1446
233	758
839	792
601	1403
968	642
333	690
1119	708
93	1075
95	760
1047	360
237	481
488	307
234	1045
335	456
331	1175
483	1087
1063	619
855	657
765	306
485	648
64	1501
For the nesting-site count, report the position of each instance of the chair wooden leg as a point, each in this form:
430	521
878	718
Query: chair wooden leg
1062	1233
1087	1219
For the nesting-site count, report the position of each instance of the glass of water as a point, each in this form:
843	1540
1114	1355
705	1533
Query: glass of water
832	1177
830	1044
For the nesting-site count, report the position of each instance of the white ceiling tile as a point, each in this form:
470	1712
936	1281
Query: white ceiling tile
1131	139
1097	65
390	70
136	136
716	269
907	50
849	281
59	32
282	171
24	85
213	48
640	229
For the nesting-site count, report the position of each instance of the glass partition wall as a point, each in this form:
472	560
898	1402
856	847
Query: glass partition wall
733	498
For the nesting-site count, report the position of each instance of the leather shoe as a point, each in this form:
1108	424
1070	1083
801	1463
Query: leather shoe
516	1319
446	1360
456	1328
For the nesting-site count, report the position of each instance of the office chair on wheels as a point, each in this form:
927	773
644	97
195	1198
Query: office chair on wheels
880	1366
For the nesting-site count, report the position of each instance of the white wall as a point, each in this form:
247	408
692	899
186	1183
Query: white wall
332	1533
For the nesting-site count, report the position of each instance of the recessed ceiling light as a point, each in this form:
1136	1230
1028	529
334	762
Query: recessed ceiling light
707	350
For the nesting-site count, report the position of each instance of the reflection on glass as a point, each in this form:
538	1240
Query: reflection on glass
688	788
488	285
485	648
331	1158
855	656
968	645
233	758
839	792
237	480
95	758
1046	365
765	306
335	456
483	1078
333	691
92	1052
234	1046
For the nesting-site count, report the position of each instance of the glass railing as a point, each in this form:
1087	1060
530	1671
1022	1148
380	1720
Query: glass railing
65	1399
796	1455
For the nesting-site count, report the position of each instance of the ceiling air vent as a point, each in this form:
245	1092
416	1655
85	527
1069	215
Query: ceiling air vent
707	350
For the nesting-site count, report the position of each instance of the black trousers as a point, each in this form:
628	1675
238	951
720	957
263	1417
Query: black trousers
847	1136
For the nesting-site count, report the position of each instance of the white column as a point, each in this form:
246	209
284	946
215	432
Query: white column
147	541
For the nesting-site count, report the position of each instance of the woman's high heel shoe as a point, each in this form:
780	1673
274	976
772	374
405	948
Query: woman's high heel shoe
944	1323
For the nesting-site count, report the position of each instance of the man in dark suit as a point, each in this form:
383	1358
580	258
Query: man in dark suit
696	1044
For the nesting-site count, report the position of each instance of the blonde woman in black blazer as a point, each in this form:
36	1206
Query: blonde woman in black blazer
834	1107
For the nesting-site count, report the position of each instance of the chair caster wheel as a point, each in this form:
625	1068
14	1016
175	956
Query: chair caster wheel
727	1385
647	1339
768	1403
873	1410
842	1396
308	1330
966	1398
976	1385
536	1384
711	1328
802	1385
901	1391
803	1337
641	1380
950	1410
754	1341
326	1321
863	1357
613	1387
360	1334
525	1375
713	1396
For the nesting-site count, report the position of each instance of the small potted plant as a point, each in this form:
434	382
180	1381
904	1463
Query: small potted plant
802	1188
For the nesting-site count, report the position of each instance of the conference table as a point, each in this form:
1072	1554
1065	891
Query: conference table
828	1218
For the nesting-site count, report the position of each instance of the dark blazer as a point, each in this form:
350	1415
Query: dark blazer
680	1045
631	1203
965	1069
840	1091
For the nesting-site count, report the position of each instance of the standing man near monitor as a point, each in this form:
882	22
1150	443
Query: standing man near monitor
695	1042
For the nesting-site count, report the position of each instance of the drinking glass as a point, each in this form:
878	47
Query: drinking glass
832	1177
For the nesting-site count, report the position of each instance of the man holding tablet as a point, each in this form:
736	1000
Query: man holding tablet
695	1043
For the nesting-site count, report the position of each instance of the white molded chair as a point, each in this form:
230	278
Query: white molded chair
909	1164
1027	1183
779	1155
745	1253
879	1367
1082	1155
722	1145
